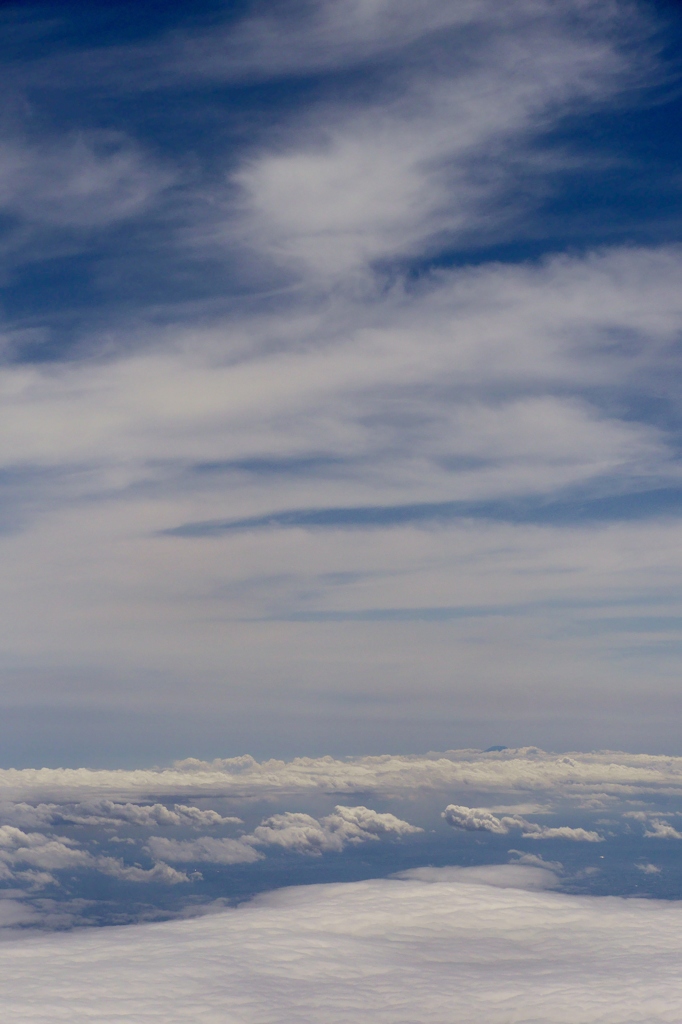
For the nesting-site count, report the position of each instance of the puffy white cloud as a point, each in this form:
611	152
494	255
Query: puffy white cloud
301	832
41	851
457	945
536	861
655	827
480	819
291	830
476	819
57	853
659	829
147	816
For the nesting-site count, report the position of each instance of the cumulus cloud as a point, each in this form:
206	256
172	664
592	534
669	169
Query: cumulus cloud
41	851
476	819
48	853
659	829
457	945
305	834
480	819
655	827
146	816
126	825
291	830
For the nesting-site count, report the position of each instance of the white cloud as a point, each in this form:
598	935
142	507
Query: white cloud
206	849
109	812
576	776
655	827
430	366
147	816
533	831
536	861
159	872
475	819
455	945
383	178
291	830
659	829
471	387
14	913
40	851
50	853
305	834
481	819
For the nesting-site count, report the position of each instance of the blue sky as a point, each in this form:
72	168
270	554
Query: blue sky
340	378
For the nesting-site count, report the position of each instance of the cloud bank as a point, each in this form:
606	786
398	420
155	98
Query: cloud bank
456	945
583	777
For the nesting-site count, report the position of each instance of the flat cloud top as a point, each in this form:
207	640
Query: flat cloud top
455	946
527	769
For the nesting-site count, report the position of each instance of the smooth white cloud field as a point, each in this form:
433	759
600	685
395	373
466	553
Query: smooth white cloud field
452	945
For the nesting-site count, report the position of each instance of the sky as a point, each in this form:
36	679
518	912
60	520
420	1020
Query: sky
340	511
340	379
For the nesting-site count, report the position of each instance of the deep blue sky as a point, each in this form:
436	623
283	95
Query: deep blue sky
100	69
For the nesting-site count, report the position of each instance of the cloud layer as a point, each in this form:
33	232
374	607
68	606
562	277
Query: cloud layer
581	776
454	945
